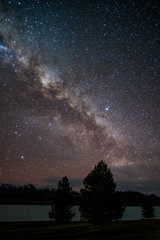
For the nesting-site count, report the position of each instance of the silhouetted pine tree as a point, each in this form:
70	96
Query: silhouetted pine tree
61	208
100	202
147	208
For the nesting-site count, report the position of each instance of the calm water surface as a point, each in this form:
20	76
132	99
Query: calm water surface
9	213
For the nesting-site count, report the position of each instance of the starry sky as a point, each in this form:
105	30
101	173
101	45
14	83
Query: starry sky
80	83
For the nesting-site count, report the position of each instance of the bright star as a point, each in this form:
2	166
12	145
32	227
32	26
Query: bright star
107	108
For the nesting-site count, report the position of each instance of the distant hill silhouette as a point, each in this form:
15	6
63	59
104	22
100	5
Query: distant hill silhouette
31	194
26	194
154	199
132	198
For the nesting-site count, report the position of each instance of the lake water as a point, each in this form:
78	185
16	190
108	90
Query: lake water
9	213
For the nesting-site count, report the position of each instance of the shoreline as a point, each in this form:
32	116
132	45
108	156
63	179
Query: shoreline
49	203
139	230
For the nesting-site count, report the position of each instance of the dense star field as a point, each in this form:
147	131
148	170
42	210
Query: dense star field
80	83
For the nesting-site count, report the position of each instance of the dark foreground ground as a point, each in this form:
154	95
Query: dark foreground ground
132	230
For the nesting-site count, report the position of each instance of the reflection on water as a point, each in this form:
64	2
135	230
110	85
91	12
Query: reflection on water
14	213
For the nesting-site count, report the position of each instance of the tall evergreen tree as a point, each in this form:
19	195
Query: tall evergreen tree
100	202
147	208
61	208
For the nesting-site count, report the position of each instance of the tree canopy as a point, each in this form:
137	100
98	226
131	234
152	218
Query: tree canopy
100	202
61	208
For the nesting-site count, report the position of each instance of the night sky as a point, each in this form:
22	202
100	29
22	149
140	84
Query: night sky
80	83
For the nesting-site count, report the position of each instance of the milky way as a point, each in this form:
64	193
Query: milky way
80	83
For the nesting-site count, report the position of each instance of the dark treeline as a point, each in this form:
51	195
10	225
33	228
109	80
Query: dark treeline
26	194
29	194
132	198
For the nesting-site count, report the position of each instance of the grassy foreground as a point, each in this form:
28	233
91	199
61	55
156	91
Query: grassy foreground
139	230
